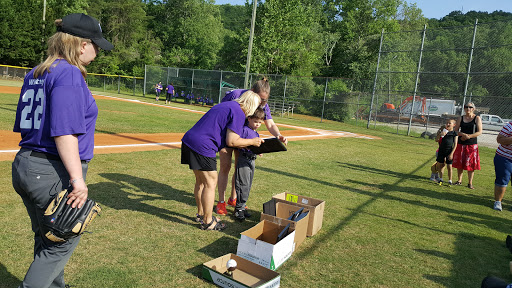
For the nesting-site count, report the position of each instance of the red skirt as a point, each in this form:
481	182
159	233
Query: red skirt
466	157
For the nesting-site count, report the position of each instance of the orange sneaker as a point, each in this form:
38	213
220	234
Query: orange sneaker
221	208
232	202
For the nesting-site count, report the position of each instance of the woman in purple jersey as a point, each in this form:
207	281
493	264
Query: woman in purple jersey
56	116
219	127
262	88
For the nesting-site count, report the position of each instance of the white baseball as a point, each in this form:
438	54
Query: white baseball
231	263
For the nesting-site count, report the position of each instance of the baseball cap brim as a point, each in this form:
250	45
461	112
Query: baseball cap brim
103	44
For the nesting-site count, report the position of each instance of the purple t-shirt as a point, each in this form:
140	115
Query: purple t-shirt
208	135
56	104
170	89
235	94
248	133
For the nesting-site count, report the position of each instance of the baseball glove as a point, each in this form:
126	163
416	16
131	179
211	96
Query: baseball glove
64	222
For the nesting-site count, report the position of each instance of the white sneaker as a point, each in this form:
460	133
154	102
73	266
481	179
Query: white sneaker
497	205
433	177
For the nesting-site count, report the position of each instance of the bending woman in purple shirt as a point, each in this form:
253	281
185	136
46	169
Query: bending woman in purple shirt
218	128
56	117
262	88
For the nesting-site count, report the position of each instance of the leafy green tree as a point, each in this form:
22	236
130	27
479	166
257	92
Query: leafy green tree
288	38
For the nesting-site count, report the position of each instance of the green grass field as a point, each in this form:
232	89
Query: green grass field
385	224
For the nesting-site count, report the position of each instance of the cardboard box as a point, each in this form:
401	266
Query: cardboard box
258	245
315	206
279	212
247	274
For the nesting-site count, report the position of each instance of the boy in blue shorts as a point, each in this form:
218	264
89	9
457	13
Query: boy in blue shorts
245	166
446	150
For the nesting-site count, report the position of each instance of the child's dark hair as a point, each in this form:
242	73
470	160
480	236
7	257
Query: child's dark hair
258	114
261	86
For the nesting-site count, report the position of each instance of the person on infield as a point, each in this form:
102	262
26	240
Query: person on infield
447	143
169	93
56	116
221	126
262	88
244	168
158	89
502	164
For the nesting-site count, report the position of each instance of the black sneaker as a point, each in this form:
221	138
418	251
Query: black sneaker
247	214
240	215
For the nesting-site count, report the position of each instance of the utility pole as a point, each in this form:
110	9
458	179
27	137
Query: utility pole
42	32
248	64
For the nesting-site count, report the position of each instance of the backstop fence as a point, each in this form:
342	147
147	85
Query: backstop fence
424	77
339	99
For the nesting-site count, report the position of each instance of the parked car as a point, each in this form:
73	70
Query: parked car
492	122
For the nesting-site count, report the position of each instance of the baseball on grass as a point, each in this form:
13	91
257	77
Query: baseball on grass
231	265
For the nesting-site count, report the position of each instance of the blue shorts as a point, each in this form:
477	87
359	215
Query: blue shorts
503	169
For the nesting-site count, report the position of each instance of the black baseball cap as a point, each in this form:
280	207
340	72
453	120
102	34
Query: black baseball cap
84	26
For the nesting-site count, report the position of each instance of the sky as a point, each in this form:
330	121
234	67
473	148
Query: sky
436	8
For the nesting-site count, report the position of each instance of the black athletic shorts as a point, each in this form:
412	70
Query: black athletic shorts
197	161
168	97
442	157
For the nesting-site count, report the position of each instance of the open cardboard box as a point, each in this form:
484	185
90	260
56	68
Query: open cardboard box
247	274
259	245
278	212
316	209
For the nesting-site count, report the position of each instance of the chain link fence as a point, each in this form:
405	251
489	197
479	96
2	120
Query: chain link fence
338	99
425	77
128	85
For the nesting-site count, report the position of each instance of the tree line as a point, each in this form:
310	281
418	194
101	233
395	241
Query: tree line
332	38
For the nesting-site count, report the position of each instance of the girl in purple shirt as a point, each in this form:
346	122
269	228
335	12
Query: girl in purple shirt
56	116
218	128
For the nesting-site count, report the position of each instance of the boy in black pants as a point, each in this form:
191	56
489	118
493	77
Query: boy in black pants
245	166
446	150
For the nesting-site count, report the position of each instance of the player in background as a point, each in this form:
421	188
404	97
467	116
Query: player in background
446	150
169	93
158	89
502	164
244	168
56	117
262	88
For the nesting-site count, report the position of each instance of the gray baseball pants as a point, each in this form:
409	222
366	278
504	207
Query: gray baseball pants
243	180
37	180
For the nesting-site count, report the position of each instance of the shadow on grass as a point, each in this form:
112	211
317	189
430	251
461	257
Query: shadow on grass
132	193
474	258
7	279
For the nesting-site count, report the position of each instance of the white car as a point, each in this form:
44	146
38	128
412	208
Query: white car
492	122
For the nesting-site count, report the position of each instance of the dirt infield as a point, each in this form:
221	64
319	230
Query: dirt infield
125	142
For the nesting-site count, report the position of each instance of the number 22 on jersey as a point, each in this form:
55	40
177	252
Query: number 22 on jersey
31	118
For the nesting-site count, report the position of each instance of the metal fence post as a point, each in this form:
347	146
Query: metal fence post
118	84
417	80
428	114
375	80
323	104
220	87
134	85
144	82
284	93
469	62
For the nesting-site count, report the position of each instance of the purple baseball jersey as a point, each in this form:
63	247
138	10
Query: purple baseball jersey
248	133
235	94
208	135
56	104
170	89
